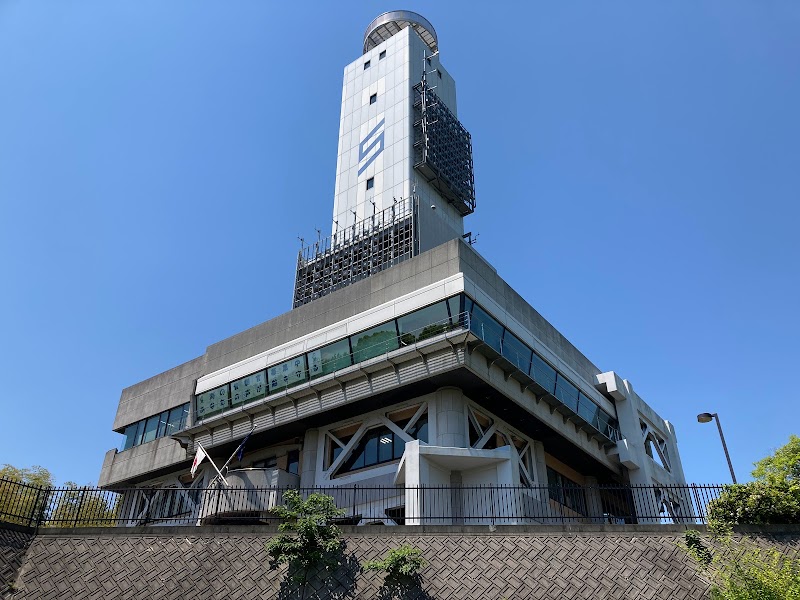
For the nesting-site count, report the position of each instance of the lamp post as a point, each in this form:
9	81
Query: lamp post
707	418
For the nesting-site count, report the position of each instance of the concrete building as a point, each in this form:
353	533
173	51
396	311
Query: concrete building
406	361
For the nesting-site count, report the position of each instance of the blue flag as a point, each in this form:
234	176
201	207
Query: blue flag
240	451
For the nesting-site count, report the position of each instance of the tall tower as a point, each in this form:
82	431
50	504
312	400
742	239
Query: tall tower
404	177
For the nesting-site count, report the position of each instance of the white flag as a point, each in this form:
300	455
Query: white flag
198	458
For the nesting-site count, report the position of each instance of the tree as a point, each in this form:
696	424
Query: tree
23	493
308	537
782	466
773	498
76	506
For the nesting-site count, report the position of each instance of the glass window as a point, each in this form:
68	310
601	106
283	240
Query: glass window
588	410
423	323
329	358
378	446
419	430
150	429
371	180
486	328
382	55
567	393
130	436
517	352
177	419
162	423
366	65
455	309
293	462
287	373
249	388
373	99
139	432
374	342
213	401
543	374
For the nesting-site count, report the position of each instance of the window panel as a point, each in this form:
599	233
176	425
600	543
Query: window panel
213	401
287	374
374	342
139	432
587	409
130	436
517	352
378	446
293	461
329	358
423	323
543	374
454	305
486	328
419	430
385	447
567	393
162	423
150	429
399	446
247	389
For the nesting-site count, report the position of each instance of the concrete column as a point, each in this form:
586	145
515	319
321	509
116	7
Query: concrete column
451	424
308	460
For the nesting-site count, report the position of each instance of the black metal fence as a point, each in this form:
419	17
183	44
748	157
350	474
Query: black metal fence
361	505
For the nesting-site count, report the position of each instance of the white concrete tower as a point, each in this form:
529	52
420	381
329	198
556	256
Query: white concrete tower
404	177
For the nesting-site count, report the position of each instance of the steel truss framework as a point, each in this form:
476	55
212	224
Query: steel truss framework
367	247
443	150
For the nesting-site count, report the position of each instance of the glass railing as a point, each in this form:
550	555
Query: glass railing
430	321
505	343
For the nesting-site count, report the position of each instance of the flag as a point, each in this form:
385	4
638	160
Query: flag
240	450
198	458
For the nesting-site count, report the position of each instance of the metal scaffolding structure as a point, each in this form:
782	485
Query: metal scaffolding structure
367	247
443	149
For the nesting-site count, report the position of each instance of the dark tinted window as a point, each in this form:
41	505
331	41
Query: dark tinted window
543	374
486	328
517	352
329	358
423	323
374	342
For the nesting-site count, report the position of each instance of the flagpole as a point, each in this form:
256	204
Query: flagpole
208	456
235	452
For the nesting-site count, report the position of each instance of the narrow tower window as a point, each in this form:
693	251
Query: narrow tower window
382	55
370	183
373	99
366	65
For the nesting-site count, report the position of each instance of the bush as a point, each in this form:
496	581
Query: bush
757	503
308	537
403	562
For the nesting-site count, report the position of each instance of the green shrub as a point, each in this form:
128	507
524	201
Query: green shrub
403	562
308	537
757	503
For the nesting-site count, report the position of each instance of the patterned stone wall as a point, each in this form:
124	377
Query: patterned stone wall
14	543
468	563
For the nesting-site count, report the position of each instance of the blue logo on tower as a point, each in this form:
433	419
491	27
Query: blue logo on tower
368	144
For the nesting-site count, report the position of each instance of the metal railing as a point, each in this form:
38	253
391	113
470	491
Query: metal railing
362	505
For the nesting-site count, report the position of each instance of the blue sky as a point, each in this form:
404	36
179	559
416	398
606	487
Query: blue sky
637	168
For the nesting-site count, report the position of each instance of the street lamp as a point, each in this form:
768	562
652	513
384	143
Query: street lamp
707	418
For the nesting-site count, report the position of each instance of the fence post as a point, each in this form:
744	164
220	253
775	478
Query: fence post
34	508
700	515
80	506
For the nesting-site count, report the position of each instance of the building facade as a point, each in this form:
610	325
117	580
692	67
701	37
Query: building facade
406	362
